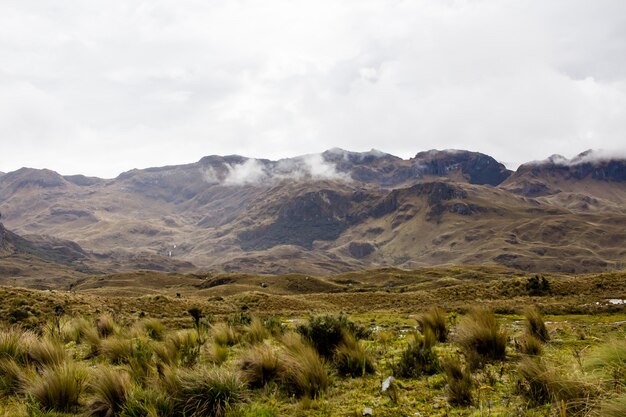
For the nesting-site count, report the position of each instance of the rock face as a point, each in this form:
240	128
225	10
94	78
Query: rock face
327	212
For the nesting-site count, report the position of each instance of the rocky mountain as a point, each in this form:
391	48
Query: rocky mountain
332	212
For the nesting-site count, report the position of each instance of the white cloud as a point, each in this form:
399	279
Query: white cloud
100	87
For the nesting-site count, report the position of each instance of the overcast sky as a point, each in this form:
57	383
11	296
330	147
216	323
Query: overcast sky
102	86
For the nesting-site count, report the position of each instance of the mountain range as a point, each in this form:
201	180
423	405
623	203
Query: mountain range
318	214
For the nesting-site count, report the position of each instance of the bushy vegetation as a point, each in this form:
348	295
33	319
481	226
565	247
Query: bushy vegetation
419	358
435	321
535	324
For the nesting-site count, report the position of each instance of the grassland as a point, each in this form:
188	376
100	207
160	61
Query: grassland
149	344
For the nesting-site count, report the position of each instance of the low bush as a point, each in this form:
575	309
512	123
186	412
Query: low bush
418	358
326	332
481	338
435	320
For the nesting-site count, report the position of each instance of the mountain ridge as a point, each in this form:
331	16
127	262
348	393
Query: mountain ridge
332	212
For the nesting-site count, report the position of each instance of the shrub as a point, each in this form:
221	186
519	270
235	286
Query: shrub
481	338
537	285
58	388
419	358
351	358
207	392
196	315
109	389
260	365
459	382
305	372
535	325
435	320
326	332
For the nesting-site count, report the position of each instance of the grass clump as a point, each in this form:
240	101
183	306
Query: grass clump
615	407
305	372
535	324
261	364
256	332
611	358
13	378
74	330
12	344
459	382
481	338
530	345
105	325
224	334
58	388
116	349
154	328
148	403
46	352
207	392
435	320
352	359
419	358
542	384
326	332
109	388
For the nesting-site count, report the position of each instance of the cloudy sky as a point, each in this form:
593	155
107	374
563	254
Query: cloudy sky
102	86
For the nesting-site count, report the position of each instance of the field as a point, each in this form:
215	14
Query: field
459	341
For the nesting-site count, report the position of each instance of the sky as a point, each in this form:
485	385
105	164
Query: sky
103	86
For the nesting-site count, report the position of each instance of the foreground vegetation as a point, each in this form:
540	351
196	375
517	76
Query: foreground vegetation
435	363
535	347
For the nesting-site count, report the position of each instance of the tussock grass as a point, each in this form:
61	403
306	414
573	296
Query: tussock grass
148	402
459	382
481	338
256	332
46	352
75	330
435	320
224	334
106	326
305	371
109	390
418	358
326	332
12	344
542	384
153	328
535	324
207	392
214	353
530	345
116	349
352	359
13	377
58	388
615	407
261	364
610	358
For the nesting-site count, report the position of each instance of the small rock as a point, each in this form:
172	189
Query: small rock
367	411
387	383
